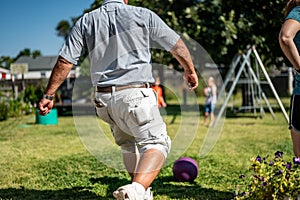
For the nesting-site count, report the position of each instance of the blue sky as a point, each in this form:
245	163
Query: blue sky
31	24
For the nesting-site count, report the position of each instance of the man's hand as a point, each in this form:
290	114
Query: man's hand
59	74
192	80
44	106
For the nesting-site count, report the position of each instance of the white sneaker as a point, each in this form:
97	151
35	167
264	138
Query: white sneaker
126	192
148	194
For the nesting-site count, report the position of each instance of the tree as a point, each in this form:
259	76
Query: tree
223	28
63	28
258	23
36	53
5	61
28	52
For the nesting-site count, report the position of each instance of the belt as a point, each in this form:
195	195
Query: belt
120	87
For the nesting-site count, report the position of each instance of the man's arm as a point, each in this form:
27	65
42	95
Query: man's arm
286	37
183	56
58	75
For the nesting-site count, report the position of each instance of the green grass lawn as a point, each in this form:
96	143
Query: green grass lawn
51	162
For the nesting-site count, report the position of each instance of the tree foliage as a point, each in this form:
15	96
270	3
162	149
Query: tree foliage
63	28
5	61
258	23
28	52
223	28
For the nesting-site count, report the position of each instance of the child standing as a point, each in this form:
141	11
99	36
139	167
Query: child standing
210	92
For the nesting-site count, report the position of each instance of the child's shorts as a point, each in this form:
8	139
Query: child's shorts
295	113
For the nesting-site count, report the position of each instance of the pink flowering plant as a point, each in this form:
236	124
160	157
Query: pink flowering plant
271	179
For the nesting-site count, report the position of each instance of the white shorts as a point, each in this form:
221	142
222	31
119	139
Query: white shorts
134	118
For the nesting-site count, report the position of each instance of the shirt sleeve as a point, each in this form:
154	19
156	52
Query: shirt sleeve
294	14
73	47
161	33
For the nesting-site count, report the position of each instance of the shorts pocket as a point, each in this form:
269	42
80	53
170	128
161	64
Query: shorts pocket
140	106
143	114
102	110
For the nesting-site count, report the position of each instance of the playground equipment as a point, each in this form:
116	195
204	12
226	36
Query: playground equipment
250	65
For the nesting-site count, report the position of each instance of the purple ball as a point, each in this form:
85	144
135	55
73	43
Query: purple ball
185	170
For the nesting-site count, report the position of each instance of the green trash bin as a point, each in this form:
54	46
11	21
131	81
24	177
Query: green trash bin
51	118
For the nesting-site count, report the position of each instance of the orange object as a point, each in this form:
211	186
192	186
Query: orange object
160	98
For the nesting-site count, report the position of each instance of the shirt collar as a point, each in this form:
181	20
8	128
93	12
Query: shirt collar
111	1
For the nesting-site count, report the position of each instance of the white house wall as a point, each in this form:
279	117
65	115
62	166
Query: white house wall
39	75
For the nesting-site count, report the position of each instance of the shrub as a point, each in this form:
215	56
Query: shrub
4	110
17	108
33	94
272	179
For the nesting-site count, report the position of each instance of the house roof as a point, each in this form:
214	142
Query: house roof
39	63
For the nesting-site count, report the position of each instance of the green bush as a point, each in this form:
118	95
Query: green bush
32	94
24	105
4	111
27	108
15	108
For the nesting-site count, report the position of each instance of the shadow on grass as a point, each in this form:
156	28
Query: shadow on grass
65	194
112	183
75	193
162	186
175	190
165	186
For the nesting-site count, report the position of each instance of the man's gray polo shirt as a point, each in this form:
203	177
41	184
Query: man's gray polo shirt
118	39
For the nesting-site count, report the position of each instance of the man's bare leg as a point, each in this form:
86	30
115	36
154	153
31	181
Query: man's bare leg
149	167
131	161
145	169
